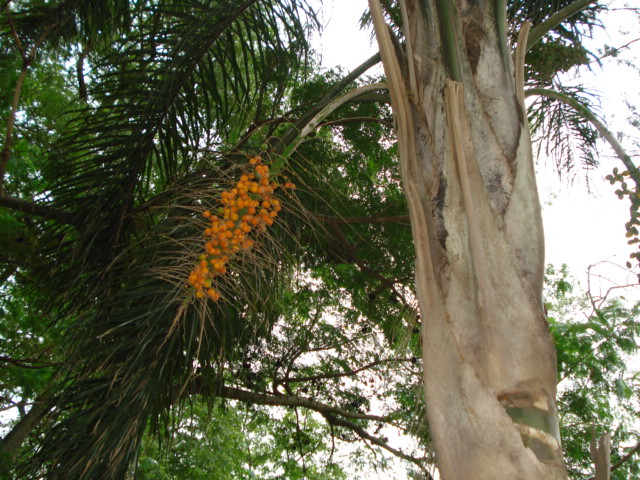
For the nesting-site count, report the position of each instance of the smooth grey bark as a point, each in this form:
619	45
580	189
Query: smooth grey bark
466	163
600	450
13	440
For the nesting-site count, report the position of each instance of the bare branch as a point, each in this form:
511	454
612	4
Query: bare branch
293	401
32	208
614	51
362	220
362	433
29	363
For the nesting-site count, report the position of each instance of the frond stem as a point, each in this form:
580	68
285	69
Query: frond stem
329	109
291	134
552	22
451	51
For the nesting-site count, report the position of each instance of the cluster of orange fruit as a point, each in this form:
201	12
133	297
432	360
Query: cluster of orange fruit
247	207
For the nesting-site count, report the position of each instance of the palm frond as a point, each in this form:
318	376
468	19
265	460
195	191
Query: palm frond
536	12
563	134
72	20
163	95
186	77
136	343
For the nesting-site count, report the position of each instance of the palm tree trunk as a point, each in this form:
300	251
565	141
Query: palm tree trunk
466	164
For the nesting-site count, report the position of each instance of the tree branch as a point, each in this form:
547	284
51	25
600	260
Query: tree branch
292	401
32	208
362	433
14	33
6	148
361	220
332	414
27	363
614	51
623	460
13	440
600	450
627	457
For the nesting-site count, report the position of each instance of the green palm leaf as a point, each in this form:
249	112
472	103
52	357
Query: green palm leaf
160	97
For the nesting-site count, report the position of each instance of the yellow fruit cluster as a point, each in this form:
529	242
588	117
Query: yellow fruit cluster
247	207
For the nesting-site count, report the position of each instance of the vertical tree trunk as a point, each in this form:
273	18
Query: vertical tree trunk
466	164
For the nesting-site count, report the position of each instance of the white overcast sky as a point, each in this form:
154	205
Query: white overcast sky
581	228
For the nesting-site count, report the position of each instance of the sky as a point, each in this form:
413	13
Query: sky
584	224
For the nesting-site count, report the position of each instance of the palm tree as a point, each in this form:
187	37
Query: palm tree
172	98
467	168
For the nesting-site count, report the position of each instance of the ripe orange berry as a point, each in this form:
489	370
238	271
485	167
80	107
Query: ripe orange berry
229	232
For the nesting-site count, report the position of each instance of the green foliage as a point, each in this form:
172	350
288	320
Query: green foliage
595	342
560	132
547	59
571	31
205	445
229	441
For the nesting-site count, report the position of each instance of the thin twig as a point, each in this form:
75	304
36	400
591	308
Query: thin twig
14	33
347	373
26	61
362	433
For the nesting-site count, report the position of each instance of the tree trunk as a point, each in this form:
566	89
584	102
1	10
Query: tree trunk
14	439
466	164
